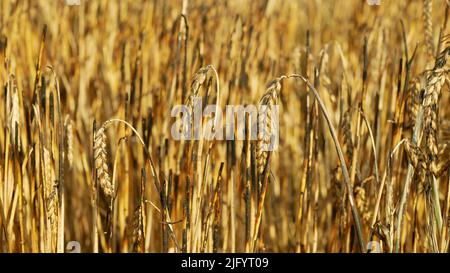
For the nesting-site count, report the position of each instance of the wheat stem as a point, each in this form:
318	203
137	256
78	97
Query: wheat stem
344	169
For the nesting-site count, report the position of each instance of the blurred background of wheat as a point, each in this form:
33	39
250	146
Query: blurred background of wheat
62	67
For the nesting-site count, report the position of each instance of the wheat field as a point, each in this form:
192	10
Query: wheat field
87	154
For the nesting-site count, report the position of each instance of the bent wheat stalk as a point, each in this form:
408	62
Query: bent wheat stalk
345	173
100	136
377	178
380	191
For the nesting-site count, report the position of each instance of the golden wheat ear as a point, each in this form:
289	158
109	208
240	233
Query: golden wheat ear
443	160
68	134
265	109
50	188
101	162
428	25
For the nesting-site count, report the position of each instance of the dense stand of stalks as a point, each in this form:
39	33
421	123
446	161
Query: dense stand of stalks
87	152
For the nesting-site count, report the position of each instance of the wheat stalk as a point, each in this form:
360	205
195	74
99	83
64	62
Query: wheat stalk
344	169
347	133
13	110
50	191
138	227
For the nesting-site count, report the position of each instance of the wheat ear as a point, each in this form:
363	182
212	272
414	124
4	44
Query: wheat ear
265	116
68	133
101	162
435	81
428	25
